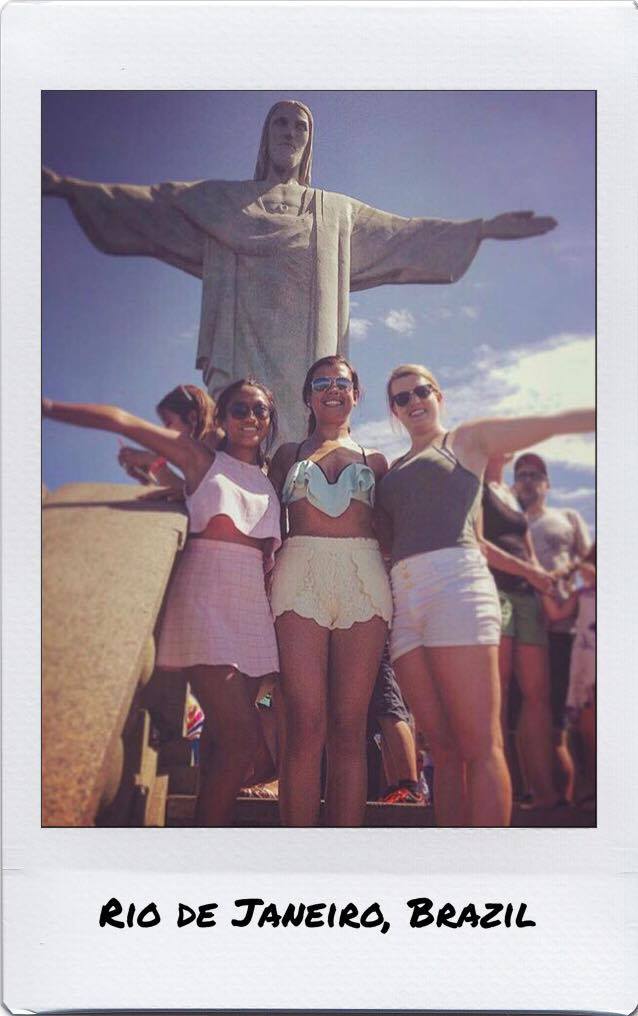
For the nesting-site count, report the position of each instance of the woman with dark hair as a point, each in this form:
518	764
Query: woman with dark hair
217	623
331	601
185	405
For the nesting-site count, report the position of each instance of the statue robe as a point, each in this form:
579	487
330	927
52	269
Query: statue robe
276	286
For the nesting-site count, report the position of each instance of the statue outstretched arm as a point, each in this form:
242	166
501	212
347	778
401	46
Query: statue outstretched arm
388	248
132	220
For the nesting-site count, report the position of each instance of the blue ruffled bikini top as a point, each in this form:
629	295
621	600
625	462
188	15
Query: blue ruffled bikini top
306	479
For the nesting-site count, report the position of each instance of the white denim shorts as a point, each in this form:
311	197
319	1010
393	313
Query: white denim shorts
444	598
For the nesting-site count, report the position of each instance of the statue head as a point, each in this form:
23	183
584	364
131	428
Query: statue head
264	158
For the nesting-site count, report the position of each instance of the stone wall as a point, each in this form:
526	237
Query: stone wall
107	559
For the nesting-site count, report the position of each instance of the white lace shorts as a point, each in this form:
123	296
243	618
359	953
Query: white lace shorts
444	598
335	581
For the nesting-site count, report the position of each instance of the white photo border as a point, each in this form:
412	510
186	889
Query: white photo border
579	884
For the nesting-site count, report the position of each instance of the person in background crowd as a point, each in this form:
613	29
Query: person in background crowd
561	539
331	601
581	694
389	718
523	648
187	406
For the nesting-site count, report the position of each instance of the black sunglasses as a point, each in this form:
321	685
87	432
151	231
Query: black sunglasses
323	384
421	392
242	410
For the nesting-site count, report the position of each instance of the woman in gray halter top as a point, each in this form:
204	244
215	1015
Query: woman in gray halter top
331	601
446	624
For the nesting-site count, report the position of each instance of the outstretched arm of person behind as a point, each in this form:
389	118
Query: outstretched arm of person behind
148	468
529	570
187	454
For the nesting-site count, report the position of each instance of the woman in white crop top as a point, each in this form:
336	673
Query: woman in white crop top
217	624
331	600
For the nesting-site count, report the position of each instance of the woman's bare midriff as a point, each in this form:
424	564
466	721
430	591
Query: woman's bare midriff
222	528
306	520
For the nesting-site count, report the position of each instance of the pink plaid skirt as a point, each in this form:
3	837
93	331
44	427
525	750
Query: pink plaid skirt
217	611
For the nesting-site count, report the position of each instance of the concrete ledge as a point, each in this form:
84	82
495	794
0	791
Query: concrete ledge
107	558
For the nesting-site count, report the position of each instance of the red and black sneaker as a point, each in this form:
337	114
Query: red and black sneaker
403	795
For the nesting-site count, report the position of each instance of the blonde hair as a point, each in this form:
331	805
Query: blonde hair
263	157
403	370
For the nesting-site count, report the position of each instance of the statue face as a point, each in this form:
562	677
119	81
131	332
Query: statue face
288	133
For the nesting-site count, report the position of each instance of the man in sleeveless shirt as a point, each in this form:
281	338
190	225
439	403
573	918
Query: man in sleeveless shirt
561	538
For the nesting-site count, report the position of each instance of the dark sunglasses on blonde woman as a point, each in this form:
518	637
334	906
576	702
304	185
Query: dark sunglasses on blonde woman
421	392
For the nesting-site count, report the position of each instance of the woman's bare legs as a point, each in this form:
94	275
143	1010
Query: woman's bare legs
303	656
229	739
467	679
355	654
535	724
422	696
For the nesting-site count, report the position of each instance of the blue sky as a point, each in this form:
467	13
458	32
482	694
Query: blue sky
515	335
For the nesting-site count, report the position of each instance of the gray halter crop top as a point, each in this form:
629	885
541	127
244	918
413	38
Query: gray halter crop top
432	502
306	479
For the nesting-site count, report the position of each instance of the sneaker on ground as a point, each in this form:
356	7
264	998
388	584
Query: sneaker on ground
404	796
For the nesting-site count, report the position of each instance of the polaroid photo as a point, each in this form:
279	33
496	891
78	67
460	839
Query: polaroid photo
300	570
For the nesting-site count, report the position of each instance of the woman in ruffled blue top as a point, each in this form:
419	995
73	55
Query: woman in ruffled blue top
331	600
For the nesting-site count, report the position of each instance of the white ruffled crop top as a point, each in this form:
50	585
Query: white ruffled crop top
243	493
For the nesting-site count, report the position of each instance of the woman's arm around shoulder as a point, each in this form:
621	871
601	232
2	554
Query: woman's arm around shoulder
280	464
377	462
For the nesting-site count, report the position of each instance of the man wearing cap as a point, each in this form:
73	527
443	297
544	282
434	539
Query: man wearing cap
561	538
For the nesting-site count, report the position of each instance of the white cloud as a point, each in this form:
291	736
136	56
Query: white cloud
187	335
569	496
401	321
380	434
551	376
441	314
359	328
470	312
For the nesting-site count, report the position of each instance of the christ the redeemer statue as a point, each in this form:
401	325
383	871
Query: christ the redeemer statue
278	258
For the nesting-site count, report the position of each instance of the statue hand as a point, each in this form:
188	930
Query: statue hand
516	226
52	183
